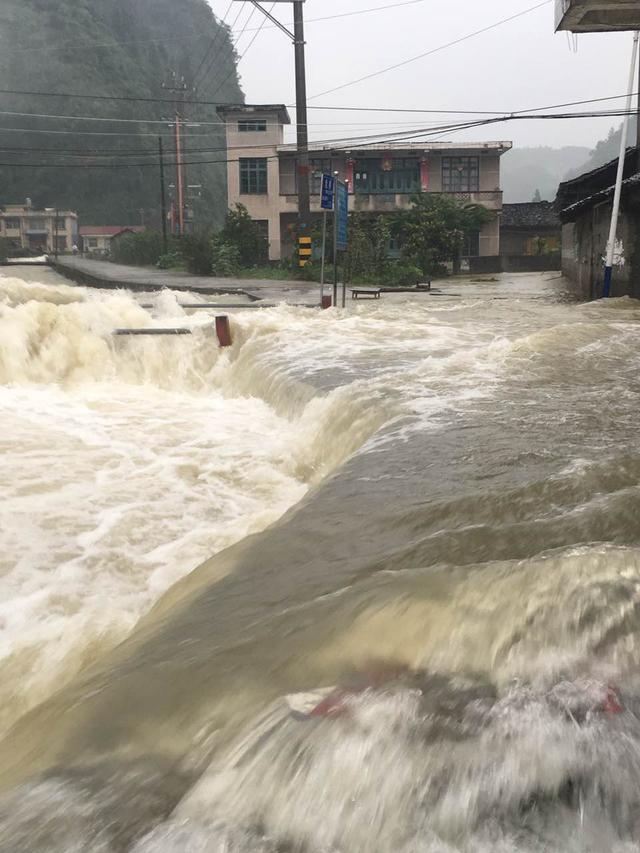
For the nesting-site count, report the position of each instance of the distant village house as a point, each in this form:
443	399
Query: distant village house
97	239
38	230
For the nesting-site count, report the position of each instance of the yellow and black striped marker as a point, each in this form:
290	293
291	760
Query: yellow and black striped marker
304	250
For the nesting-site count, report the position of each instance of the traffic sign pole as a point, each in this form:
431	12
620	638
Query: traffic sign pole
326	203
324	246
335	243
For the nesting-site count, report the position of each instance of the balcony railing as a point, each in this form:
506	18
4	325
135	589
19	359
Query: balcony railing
383	202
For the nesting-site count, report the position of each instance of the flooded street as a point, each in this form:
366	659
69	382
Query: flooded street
366	581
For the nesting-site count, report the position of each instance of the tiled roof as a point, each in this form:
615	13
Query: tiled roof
108	230
531	214
568	213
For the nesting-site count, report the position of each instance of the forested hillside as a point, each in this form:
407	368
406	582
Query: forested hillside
606	150
525	170
109	47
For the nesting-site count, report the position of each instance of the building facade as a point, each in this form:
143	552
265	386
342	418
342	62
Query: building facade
262	175
46	230
585	205
96	239
590	16
529	228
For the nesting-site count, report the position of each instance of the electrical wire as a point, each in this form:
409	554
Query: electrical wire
432	51
231	52
196	36
246	50
197	83
411	111
214	42
345	145
408	110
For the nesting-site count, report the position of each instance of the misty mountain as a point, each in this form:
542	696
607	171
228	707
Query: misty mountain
110	47
525	170
606	150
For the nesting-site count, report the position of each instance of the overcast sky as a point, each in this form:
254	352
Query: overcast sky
519	65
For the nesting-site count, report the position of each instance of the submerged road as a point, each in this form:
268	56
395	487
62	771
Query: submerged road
148	278
417	628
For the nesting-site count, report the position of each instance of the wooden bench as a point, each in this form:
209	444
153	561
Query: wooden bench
365	292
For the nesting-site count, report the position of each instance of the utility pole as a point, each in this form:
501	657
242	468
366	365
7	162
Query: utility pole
163	200
55	236
179	89
304	204
638	123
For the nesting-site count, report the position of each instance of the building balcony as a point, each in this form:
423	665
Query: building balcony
592	16
389	202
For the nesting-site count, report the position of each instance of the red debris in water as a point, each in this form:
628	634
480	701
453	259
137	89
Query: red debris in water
611	705
331	706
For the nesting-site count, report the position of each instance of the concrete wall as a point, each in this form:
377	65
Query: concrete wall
519	241
584	246
515	263
490	238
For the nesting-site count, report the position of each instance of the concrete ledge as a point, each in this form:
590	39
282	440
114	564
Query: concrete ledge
89	279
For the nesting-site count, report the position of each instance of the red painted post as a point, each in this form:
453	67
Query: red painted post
326	302
223	331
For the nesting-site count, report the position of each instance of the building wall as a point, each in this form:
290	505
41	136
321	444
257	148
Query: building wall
584	244
96	243
490	239
520	241
257	144
278	207
29	219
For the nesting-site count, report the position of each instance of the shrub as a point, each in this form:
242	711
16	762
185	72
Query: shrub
403	275
243	233
169	261
5	249
225	258
197	252
142	249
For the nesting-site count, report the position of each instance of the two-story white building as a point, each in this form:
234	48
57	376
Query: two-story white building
45	230
382	177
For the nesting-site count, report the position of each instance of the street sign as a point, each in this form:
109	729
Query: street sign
328	185
342	213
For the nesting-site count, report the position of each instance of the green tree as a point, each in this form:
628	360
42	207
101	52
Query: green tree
435	229
536	196
243	233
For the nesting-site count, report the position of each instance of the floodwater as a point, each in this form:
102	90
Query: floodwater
368	581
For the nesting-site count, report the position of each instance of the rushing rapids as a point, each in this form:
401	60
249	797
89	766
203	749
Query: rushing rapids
367	581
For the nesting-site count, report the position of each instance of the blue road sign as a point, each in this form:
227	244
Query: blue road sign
342	212
328	185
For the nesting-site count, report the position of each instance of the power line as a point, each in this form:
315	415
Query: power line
214	42
195	36
432	51
229	54
234	66
407	110
105	119
246	50
345	145
413	111
360	139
